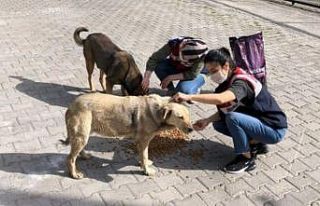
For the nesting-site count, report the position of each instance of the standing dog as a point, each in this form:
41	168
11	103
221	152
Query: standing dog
118	65
140	117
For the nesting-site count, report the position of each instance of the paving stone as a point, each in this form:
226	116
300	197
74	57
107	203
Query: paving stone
43	70
114	197
290	155
168	180
287	200
313	161
258	180
238	187
212	181
281	188
308	149
306	196
214	196
296	167
167	195
287	143
27	146
262	197
273	160
189	201
315	174
144	201
301	181
93	187
34	201
240	200
190	187
141	188
277	174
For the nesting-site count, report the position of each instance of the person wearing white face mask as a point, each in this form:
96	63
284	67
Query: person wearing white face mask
246	110
218	77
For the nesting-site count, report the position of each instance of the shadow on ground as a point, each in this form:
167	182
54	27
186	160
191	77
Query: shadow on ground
37	198
58	94
51	93
110	155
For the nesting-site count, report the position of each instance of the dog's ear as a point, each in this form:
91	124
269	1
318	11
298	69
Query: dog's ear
166	112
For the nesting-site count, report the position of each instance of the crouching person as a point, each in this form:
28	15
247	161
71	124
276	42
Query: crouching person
246	110
179	59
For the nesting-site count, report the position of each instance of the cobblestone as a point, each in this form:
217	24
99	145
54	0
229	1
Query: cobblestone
43	70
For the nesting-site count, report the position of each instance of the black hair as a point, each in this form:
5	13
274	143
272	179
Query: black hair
220	56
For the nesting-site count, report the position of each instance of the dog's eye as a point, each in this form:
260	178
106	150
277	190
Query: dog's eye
181	117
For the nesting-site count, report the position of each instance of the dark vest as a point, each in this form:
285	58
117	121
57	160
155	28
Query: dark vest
263	106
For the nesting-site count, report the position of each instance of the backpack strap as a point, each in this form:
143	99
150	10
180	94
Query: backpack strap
255	84
239	73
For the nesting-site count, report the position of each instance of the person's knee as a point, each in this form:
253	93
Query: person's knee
161	69
187	89
279	136
219	127
231	117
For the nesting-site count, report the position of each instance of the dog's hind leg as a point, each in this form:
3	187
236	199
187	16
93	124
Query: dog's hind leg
102	80
78	142
89	65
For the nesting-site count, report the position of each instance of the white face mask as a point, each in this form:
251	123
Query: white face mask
218	77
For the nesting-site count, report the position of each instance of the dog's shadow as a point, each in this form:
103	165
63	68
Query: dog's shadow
201	154
58	94
50	93
111	157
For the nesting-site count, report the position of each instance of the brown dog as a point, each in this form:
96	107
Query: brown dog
138	117
118	65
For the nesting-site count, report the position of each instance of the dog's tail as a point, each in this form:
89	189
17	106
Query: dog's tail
76	35
66	141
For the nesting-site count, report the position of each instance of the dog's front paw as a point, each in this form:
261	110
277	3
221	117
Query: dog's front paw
77	175
148	163
149	171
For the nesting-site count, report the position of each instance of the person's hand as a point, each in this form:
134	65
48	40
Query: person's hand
166	81
200	124
180	97
145	83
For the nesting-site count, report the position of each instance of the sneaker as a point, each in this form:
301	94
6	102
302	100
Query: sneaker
258	148
240	164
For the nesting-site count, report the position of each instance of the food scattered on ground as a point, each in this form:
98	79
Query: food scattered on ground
167	142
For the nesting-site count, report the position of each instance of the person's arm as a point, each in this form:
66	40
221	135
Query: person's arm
187	75
203	123
166	81
216	99
236	92
215	117
157	57
153	62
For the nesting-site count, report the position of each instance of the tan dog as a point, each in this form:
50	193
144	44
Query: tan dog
139	117
118	65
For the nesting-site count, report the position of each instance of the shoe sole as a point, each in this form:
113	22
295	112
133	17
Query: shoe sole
247	169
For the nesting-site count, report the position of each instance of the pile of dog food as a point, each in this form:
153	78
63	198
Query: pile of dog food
167	142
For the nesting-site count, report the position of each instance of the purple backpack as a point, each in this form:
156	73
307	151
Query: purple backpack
248	53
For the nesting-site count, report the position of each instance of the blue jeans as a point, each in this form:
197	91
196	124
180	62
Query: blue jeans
165	68
242	128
